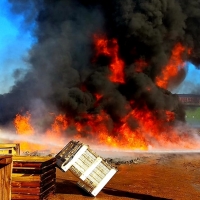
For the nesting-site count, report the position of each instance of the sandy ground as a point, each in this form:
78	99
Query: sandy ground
155	176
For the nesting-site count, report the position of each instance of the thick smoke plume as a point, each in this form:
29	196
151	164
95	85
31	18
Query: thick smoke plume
66	73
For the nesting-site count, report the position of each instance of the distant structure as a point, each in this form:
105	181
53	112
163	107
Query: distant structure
190	99
191	103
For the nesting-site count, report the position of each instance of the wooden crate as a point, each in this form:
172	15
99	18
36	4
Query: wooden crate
92	170
33	177
9	149
5	177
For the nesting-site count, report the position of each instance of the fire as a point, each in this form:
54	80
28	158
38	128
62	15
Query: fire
159	130
175	63
22	124
96	128
140	65
24	128
110	48
59	125
138	129
121	136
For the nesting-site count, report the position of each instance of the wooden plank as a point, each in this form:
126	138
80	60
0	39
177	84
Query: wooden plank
4	160
42	196
32	170
34	159
32	177
1	181
33	183
7	180
5	177
36	165
35	191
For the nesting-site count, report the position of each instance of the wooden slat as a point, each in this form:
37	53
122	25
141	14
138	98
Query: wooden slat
32	170
33	159
36	165
35	191
33	183
32	177
42	196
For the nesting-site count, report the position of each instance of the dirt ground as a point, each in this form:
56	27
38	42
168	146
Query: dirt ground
154	176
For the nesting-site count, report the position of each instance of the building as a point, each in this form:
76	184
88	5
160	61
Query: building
192	108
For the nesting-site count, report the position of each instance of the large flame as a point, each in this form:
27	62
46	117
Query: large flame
172	68
96	129
110	48
22	124
59	125
25	129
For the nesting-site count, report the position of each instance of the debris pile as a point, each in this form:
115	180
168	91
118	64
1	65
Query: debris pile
120	162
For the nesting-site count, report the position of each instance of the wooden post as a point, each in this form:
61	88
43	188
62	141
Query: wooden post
5	177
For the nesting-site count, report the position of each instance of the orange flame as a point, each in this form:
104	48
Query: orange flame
23	127
59	125
97	129
110	48
171	70
22	124
159	130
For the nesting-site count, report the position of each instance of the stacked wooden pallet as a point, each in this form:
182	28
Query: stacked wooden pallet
33	177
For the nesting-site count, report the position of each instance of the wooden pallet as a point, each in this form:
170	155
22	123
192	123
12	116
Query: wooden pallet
5	177
92	171
33	177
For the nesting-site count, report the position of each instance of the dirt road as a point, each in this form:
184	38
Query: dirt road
157	176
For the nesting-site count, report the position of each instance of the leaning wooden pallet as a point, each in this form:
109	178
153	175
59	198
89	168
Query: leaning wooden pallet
92	170
33	177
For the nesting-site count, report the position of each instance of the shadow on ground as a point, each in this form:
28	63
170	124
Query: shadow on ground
70	187
120	193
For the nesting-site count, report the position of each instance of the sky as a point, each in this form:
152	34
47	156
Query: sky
16	40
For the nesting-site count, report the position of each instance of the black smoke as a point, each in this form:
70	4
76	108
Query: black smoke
61	60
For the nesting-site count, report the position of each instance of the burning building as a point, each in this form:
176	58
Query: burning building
105	68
